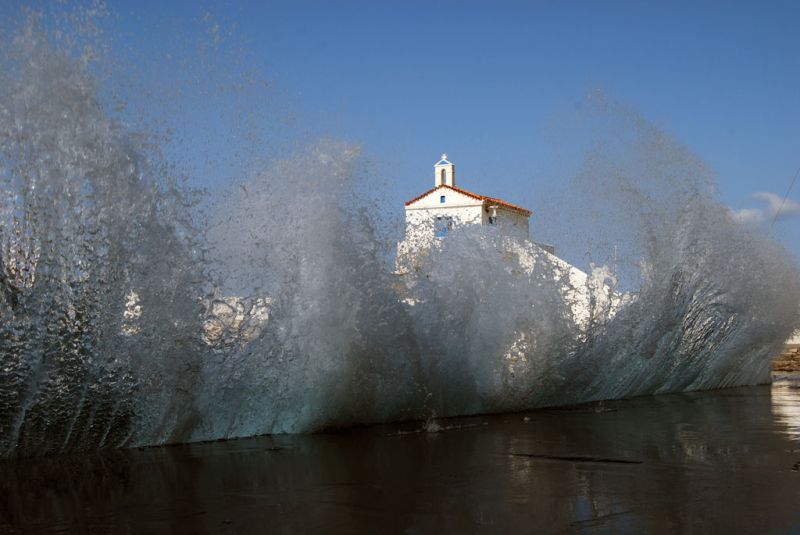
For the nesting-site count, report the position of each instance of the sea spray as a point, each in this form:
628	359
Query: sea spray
88	216
339	345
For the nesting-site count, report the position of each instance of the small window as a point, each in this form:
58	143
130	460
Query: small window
492	220
441	225
441	199
444	176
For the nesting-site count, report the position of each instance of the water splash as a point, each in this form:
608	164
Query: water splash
120	326
89	215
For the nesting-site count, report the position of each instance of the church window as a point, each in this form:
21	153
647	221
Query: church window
492	219
444	175
441	199
441	225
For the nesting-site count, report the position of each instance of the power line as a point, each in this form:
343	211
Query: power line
785	197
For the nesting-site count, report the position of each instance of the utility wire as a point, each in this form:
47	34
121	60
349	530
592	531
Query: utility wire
785	197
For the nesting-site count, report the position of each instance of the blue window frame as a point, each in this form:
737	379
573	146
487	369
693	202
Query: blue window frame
441	225
441	199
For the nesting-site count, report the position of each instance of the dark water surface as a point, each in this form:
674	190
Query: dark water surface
726	461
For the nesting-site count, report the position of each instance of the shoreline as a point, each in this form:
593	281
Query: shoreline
646	464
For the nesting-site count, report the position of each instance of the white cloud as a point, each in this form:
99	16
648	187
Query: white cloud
788	208
748	215
775	205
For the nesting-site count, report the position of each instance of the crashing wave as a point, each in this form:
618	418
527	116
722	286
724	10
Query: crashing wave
114	328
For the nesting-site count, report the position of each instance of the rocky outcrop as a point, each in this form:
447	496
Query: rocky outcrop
789	359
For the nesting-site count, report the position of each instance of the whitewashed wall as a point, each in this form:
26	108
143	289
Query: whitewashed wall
515	223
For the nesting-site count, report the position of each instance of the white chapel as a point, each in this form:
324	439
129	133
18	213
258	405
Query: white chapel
432	214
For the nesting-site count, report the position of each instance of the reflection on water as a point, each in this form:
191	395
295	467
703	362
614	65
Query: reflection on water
786	406
720	461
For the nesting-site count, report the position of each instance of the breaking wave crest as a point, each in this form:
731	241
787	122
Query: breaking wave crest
127	319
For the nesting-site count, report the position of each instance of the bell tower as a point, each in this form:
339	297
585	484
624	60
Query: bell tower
444	173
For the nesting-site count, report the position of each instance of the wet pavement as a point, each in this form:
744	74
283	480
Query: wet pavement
726	461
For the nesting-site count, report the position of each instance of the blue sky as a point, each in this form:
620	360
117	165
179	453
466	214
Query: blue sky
487	81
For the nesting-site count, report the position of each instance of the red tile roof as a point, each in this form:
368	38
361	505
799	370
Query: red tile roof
492	200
